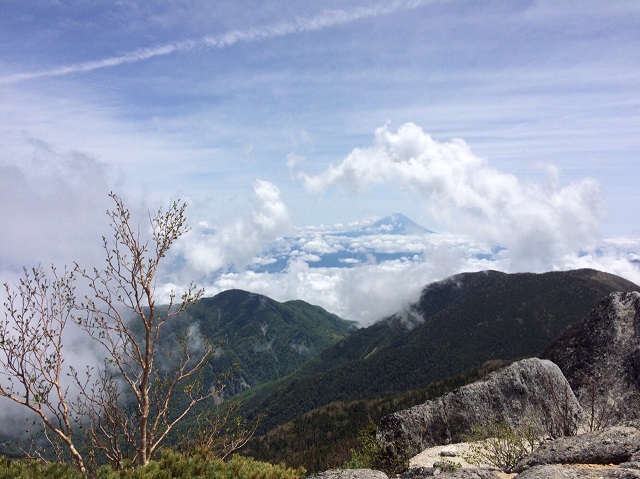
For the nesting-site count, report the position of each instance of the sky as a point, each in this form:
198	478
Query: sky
494	123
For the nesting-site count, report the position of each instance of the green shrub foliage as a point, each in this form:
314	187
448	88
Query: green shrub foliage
170	465
370	449
445	465
202	466
372	454
32	469
503	446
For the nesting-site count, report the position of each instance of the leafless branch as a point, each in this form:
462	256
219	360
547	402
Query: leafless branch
31	360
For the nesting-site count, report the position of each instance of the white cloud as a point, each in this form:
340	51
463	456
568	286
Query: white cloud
366	292
56	201
237	242
326	19
131	57
322	245
620	256
270	215
536	222
363	292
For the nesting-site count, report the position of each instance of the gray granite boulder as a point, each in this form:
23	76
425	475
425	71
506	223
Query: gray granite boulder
525	389
467	473
600	357
613	445
576	472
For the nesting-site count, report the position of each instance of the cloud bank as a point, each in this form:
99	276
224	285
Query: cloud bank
365	292
207	250
495	221
537	223
52	211
55	203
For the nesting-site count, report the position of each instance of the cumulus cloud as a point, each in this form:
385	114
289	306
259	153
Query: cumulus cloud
539	227
538	223
367	292
322	245
620	256
364	292
206	250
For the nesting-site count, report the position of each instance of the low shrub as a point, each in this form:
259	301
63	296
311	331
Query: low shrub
498	444
446	465
372	454
202	466
169	466
33	469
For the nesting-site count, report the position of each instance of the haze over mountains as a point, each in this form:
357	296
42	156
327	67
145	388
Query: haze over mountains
367	271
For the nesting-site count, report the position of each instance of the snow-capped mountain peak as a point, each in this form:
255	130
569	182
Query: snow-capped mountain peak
394	224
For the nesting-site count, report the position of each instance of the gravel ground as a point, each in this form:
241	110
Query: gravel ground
427	457
438	453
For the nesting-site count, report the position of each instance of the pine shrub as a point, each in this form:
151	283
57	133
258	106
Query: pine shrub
200	466
33	469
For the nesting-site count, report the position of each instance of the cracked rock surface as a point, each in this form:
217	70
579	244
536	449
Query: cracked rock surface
350	474
525	388
614	445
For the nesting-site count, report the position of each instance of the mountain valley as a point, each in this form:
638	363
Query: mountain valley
317	381
457	325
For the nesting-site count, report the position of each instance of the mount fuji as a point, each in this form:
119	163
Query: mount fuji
395	224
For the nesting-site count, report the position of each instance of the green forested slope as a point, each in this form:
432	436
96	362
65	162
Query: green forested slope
264	338
456	325
323	438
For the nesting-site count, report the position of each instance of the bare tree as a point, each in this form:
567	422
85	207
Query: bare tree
600	408
107	419
122	316
128	408
31	360
562	417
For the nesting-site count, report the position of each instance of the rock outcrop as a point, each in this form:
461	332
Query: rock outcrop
600	357
350	474
577	472
467	473
613	445
531	387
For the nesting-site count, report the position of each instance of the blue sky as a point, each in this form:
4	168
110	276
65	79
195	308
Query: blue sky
511	122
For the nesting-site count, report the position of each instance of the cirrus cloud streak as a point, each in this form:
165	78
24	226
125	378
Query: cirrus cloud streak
326	19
